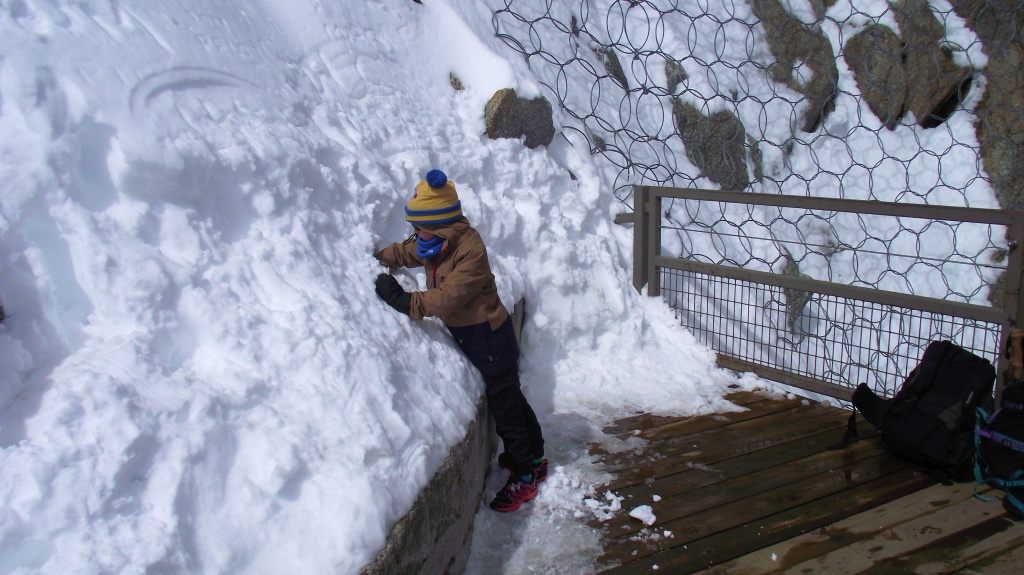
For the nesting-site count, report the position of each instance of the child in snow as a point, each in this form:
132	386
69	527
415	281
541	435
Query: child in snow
461	291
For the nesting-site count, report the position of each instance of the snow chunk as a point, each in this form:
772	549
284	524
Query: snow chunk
644	513
605	512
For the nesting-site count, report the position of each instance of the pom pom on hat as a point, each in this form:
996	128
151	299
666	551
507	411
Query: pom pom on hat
434	202
436	179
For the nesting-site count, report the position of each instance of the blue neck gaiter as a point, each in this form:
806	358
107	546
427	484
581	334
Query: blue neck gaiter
429	248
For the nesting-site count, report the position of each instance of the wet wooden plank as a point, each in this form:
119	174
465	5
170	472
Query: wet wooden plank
688	426
828	539
706	445
1006	561
643	421
691	520
724	458
978	544
731	483
794	458
756	534
765	422
952	537
735	488
824	467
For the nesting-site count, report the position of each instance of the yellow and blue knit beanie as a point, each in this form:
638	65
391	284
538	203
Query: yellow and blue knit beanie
434	202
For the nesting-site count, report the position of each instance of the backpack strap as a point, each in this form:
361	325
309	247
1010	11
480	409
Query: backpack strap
1001	439
980	465
849	437
1016	480
871	406
984	498
1010	406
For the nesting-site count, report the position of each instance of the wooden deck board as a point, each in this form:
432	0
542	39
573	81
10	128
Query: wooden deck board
734	489
690	426
643	421
725	458
952	535
846	532
1006	562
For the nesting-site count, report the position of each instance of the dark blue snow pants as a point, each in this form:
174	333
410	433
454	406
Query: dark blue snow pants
496	355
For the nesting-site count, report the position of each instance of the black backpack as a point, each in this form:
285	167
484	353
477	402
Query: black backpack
930	421
999	441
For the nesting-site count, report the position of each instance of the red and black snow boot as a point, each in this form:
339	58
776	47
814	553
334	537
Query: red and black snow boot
514	493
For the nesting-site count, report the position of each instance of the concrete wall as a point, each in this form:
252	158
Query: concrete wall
434	537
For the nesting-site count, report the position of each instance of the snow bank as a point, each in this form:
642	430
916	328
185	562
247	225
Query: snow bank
196	374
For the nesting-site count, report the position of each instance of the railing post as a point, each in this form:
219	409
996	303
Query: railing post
641	223
653	211
1013	300
1015	270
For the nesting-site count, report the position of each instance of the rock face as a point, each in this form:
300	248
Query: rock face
794	44
934	81
612	65
902	70
874	55
674	75
796	300
714	144
506	115
1001	110
896	75
910	74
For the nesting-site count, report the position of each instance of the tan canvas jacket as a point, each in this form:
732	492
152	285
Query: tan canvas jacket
460	286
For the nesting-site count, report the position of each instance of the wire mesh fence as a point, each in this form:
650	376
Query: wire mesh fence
891	101
912	102
896	101
838	340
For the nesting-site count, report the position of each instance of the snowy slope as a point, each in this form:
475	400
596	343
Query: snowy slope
195	373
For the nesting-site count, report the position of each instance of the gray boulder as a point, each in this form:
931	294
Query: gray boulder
612	65
793	43
1001	109
506	115
714	144
935	84
674	75
875	56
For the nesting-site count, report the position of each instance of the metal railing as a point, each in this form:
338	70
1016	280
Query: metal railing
824	322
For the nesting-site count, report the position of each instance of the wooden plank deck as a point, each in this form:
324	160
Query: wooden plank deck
757	491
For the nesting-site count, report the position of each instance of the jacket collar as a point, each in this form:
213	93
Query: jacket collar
450	232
